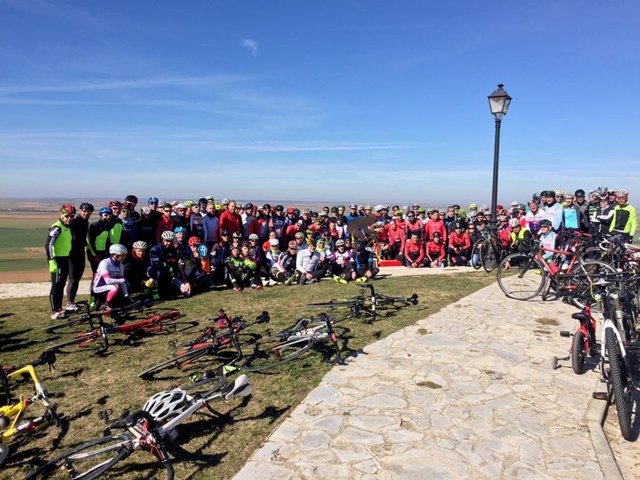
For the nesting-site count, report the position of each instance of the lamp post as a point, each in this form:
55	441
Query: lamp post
499	102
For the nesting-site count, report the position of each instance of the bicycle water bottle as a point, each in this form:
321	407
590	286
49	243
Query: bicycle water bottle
553	268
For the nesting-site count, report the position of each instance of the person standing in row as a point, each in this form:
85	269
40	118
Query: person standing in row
58	248
79	229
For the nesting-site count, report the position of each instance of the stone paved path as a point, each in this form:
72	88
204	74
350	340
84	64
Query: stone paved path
466	393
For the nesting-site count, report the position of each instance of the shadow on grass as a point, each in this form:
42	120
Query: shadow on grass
11	341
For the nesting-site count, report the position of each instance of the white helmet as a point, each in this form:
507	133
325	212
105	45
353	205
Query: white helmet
117	249
168	235
514	222
140	244
168	404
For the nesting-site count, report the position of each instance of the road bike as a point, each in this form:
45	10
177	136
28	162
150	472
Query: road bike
13	424
367	305
156	322
86	317
152	429
221	335
526	274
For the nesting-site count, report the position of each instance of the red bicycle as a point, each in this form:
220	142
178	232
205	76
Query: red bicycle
154	323
583	343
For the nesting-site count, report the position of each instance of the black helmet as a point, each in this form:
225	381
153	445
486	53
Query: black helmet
279	208
131	199
579	193
248	206
87	207
361	245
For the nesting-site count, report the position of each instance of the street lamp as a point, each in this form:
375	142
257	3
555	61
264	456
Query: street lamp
499	102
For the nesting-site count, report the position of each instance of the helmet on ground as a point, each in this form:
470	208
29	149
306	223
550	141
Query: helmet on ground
194	241
68	209
168	235
87	207
153	201
140	244
180	230
168	404
514	222
254	236
117	249
105	211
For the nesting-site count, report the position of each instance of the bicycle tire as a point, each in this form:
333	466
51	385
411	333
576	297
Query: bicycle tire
578	353
489	258
618	380
72	322
178	362
342	303
279	354
526	281
74	341
586	272
477	250
96	462
5	452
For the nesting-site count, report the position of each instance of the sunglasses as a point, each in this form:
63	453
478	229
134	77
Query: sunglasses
66	215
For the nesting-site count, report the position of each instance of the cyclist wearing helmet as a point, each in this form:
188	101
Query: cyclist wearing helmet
601	219
196	222
413	224
435	224
256	253
364	263
164	267
262	222
307	265
625	220
284	269
77	258
552	209
239	271
518	234
115	227
249	221
98	238
547	238
219	253
459	249
341	263
136	268
109	280
271	257
276	223
580	201
58	249
164	223
181	218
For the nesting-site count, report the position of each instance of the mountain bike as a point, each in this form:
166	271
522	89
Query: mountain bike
152	429
210	342
13	425
154	323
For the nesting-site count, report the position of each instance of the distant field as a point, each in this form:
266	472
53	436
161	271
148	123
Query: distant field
22	238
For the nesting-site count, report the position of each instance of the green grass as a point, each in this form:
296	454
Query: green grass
22	237
83	384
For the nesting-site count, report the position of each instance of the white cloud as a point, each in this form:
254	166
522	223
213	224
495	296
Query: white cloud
251	45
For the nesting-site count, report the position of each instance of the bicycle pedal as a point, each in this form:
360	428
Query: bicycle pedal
599	395
565	333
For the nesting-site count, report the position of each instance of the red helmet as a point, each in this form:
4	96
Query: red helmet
291	210
194	241
68	209
115	203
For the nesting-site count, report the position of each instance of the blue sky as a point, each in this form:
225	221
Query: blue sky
334	100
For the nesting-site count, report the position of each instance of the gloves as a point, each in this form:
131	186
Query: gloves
53	266
149	283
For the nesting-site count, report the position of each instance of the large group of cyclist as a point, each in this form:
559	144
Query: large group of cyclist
171	249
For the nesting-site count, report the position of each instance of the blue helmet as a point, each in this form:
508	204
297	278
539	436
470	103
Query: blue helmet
152	200
179	230
203	250
105	210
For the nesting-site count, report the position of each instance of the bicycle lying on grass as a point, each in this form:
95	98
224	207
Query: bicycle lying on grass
283	347
86	316
210	342
368	305
152	429
13	426
154	323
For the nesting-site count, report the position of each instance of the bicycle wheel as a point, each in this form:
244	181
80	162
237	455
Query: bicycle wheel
88	460
578	353
476	254
72	322
619	384
79	340
178	362
520	276
343	303
489	258
278	354
582	282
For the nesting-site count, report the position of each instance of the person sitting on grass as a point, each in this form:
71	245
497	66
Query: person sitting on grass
136	269
109	280
283	271
237	270
364	265
308	265
341	263
165	269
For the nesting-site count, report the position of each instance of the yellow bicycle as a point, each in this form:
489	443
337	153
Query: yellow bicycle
13	424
